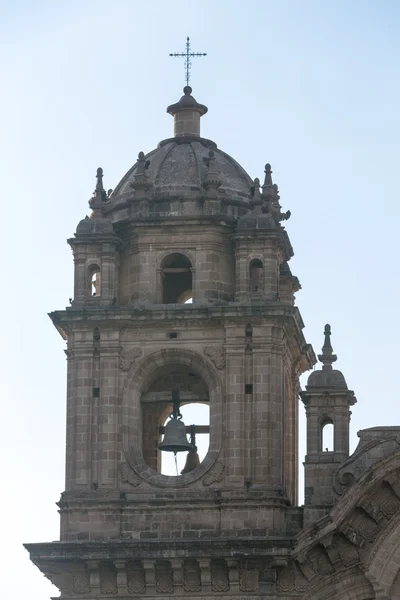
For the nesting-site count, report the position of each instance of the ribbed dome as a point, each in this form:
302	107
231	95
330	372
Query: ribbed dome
95	225
177	170
327	379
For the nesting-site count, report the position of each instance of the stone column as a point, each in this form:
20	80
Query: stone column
109	406
234	417
268	409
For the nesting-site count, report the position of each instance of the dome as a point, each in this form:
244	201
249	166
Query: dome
327	379
174	179
177	169
97	225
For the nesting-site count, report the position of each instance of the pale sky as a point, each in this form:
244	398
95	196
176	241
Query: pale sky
310	86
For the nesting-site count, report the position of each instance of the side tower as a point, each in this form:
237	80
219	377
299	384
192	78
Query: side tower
183	299
327	400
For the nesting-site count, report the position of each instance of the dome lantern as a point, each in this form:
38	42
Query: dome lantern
187	113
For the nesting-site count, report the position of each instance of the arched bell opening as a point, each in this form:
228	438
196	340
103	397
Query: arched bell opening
176	400
327	435
176	276
256	275
94	281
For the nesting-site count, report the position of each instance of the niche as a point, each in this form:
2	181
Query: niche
256	276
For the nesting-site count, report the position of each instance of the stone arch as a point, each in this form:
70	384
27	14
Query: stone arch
347	585
191	256
384	561
326	433
162	257
139	379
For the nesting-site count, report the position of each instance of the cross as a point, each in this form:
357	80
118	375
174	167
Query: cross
187	56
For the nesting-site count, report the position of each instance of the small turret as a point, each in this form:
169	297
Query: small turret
327	400
95	247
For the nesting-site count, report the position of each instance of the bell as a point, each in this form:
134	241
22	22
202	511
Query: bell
192	461
175	439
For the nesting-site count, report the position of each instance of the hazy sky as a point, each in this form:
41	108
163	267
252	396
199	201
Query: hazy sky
310	86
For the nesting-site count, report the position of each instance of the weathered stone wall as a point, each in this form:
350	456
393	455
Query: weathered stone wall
209	250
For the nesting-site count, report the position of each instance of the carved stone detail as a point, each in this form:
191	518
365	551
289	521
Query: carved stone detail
348	552
291	580
320	561
128	476
248	580
219	576
128	357
81	584
382	505
164	578
136	579
369	450
214	475
217	355
361	528
191	576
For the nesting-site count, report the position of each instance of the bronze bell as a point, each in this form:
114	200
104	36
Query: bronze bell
175	439
192	461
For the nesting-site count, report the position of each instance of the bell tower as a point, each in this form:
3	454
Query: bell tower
183	302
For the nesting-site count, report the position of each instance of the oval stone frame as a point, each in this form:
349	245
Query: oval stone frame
131	428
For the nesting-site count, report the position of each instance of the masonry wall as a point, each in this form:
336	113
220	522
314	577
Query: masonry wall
209	250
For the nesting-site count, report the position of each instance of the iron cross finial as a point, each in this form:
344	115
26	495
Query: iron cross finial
187	56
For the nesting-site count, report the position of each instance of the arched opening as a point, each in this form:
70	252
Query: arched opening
256	275
94	281
248	332
175	382
327	436
176	273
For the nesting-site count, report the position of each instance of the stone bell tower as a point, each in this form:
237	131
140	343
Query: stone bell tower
183	295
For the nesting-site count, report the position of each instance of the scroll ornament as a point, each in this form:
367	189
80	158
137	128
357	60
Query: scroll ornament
128	357
214	475
217	355
128	476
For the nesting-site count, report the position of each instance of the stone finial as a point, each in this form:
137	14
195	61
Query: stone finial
99	195
140	181
142	163
212	181
257	201
268	176
327	357
270	194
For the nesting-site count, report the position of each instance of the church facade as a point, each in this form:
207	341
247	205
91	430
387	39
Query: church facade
183	296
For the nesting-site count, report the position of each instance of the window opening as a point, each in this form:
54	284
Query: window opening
176	279
327	435
249	331
94	281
